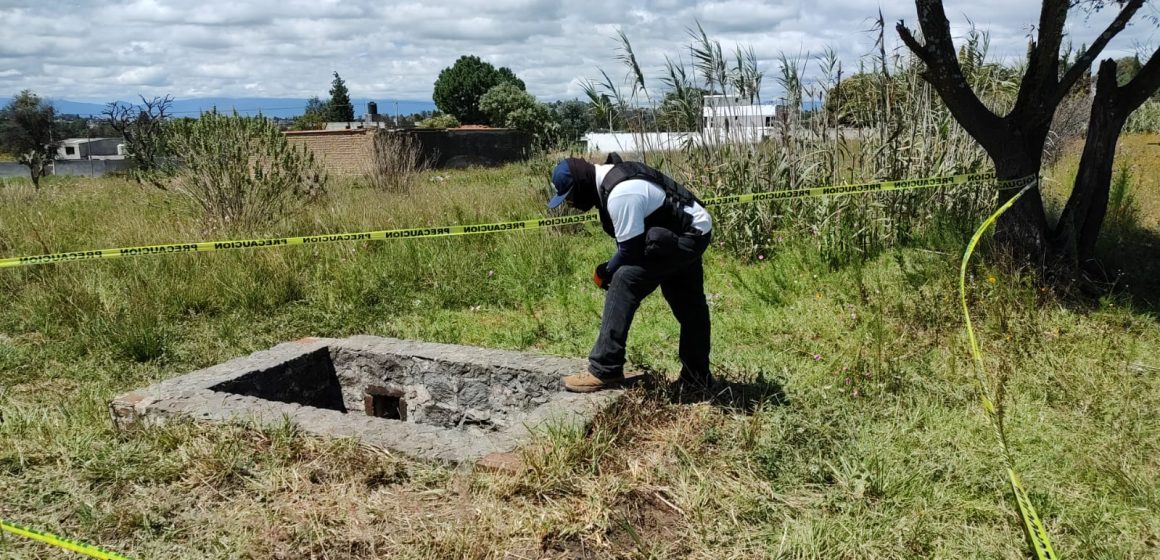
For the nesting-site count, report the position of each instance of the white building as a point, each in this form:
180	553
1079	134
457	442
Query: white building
736	116
91	148
724	119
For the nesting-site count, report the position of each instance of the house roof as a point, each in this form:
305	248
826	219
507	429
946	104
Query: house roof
84	140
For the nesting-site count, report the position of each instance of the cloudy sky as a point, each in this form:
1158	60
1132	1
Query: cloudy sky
99	50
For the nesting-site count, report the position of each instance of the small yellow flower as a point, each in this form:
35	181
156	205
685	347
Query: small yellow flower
991	279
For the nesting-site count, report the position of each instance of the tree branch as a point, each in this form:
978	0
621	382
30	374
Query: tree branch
944	72
1052	17
1042	73
1146	82
911	43
1084	62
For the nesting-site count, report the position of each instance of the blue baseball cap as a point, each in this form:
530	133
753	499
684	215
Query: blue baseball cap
562	182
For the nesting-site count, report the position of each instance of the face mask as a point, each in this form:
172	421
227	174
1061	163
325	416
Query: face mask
583	197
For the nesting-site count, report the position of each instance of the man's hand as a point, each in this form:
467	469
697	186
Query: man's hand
600	277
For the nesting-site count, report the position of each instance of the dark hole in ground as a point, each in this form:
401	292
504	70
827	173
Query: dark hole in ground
309	380
441	393
385	402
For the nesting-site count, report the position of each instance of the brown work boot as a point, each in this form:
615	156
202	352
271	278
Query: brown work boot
585	382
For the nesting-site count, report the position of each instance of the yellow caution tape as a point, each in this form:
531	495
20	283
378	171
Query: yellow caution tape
1033	527
211	246
444	231
861	188
67	544
1036	532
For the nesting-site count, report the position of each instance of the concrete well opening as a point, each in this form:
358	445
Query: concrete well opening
309	380
423	399
446	391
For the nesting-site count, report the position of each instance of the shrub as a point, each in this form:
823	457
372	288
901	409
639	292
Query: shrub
398	162
1145	119
439	121
240	171
1123	208
503	100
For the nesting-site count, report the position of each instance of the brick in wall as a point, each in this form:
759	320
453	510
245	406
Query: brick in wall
339	152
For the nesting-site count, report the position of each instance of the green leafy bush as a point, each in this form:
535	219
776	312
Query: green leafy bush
508	106
1145	119
240	171
439	121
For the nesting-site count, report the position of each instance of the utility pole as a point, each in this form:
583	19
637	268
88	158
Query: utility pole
89	142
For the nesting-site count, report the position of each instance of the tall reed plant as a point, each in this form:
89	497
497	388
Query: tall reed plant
902	131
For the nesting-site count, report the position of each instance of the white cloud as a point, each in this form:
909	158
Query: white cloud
102	50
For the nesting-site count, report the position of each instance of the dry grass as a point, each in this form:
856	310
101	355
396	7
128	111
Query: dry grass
871	446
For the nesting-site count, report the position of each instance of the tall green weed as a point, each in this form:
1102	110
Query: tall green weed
905	132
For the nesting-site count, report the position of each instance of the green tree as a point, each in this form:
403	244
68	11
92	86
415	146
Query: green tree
76	126
502	100
575	118
460	86
509	106
538	120
341	109
28	131
314	117
1127	68
506	75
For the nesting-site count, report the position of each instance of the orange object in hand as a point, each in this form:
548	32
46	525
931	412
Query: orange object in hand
598	277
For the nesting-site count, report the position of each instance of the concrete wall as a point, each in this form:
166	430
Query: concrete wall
340	152
70	168
463	147
632	142
351	152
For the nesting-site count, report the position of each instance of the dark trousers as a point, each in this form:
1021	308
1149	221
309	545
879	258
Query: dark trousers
681	278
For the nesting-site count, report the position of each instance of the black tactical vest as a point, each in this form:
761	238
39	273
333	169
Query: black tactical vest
671	215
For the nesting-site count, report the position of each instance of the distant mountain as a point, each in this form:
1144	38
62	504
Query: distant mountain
269	106
76	108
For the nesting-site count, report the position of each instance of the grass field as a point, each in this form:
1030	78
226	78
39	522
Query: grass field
869	443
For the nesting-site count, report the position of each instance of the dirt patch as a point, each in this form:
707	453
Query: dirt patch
642	523
647	522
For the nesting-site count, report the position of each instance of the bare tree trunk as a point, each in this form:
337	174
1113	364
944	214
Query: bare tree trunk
1083	216
1023	229
1079	225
